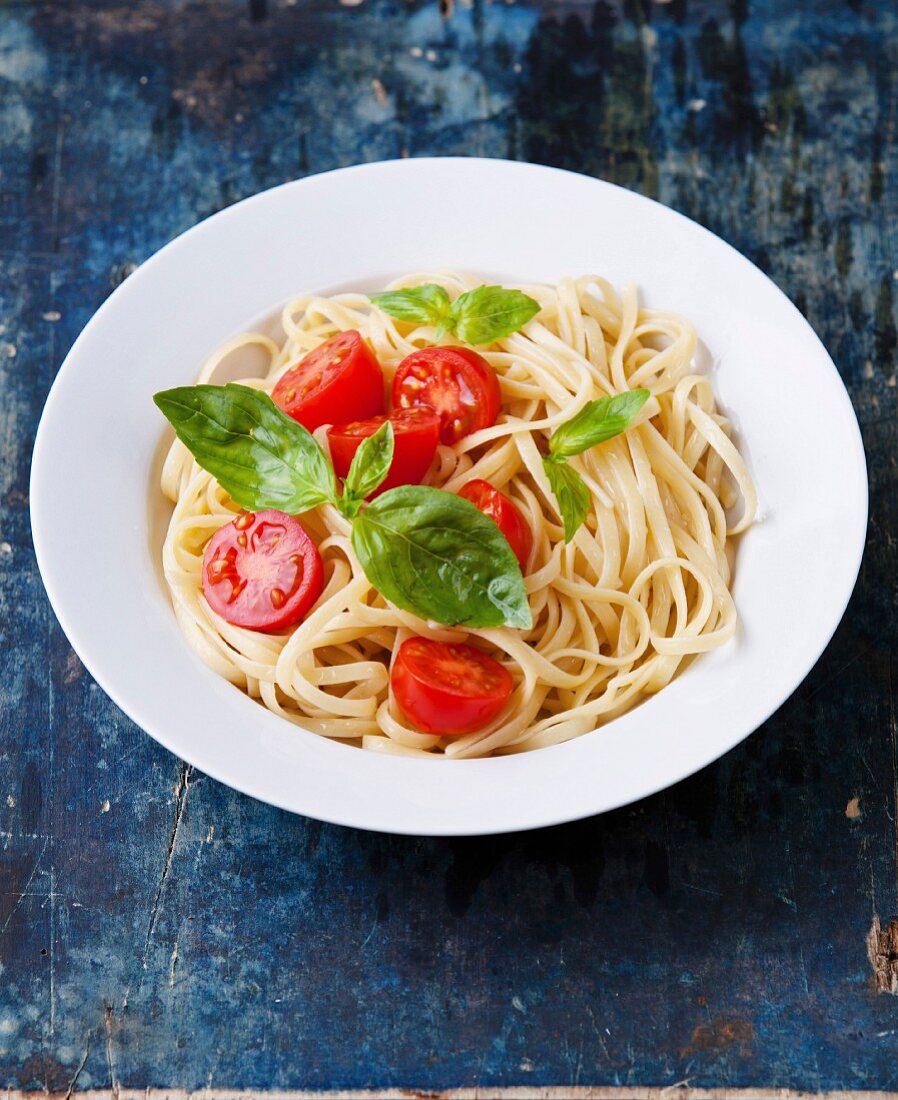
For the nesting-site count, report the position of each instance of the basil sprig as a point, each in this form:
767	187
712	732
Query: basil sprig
427	551
479	316
434	554
593	424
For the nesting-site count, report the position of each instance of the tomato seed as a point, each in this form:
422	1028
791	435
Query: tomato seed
243	521
278	598
241	541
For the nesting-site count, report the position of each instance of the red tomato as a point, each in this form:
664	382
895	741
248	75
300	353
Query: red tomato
337	382
262	571
504	513
448	689
456	383
416	433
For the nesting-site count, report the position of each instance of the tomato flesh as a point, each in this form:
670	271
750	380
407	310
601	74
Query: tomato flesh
457	383
448	689
339	381
262	571
504	513
416	433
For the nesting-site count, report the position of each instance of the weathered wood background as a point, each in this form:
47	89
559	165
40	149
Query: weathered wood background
157	929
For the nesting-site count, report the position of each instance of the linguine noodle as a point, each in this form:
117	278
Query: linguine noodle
642	587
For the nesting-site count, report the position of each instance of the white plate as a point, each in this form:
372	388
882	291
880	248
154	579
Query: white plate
97	516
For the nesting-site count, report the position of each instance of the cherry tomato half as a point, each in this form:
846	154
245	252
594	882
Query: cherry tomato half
504	513
339	381
262	571
448	689
458	384
416	433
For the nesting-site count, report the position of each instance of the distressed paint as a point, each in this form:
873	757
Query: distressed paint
157	929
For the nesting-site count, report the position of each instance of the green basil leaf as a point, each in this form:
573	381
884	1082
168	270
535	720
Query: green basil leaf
488	313
434	554
424	305
596	422
260	456
571	493
370	464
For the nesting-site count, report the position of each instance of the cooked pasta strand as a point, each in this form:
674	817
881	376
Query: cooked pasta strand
642	587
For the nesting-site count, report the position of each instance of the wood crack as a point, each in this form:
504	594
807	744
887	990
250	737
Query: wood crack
74	1081
110	1061
181	788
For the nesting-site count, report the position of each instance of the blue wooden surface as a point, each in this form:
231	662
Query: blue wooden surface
158	929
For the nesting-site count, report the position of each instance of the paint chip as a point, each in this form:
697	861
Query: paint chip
696	105
853	809
104	809
351	3
416	51
11	351
517	67
52	315
868	369
431	55
143	80
882	951
380	92
10	801
5	550
527	1066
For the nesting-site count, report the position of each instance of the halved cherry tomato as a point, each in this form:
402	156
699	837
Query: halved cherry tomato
339	381
262	571
448	689
456	383
504	513
416	433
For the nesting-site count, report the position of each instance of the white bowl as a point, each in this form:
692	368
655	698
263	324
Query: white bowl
98	517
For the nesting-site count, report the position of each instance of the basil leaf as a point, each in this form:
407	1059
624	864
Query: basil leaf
370	465
596	422
434	554
260	456
488	313
425	305
478	316
571	493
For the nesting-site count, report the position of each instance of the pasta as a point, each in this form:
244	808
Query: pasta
641	588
